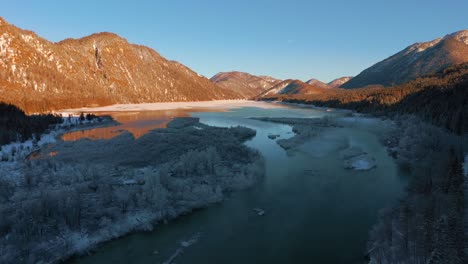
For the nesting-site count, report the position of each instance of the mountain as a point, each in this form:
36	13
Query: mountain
439	98
100	69
291	87
317	83
244	84
415	61
338	82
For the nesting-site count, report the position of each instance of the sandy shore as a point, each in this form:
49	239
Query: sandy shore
227	104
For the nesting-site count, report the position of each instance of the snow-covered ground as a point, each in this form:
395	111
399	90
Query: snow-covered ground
93	191
174	105
19	150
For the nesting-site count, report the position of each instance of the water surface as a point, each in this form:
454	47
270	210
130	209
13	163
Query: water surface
316	211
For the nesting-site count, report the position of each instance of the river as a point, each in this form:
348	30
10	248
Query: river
316	211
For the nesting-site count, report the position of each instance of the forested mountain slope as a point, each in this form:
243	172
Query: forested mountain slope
244	84
441	98
417	60
101	69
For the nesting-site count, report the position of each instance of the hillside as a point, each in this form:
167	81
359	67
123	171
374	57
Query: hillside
441	99
339	81
415	61
37	75
244	84
291	87
317	83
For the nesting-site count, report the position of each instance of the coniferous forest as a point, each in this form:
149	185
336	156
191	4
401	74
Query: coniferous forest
441	99
15	125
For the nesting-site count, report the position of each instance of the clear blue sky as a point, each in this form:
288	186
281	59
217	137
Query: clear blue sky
285	39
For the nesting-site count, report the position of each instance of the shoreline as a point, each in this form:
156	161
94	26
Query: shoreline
141	187
24	149
228	104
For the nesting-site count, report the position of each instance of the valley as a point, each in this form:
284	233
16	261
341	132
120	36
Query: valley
112	153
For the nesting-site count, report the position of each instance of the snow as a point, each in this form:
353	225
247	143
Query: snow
5	41
259	212
130	182
461	36
16	151
122	195
277	90
422	46
19	150
173	105
361	162
180	250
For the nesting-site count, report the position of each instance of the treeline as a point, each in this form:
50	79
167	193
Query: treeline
15	125
441	99
428	225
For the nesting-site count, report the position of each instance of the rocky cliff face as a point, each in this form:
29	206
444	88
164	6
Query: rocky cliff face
38	75
415	61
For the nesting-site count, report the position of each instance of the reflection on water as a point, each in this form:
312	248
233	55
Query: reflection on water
137	123
316	211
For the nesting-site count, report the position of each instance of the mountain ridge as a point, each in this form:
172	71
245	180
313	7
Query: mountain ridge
339	81
246	84
292	87
417	60
100	69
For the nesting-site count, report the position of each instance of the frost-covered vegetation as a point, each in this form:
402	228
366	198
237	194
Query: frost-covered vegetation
15	125
429	225
27	134
92	191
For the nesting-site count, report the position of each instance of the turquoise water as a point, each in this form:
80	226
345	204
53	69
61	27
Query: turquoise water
315	210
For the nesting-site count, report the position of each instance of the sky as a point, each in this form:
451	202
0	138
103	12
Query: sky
285	39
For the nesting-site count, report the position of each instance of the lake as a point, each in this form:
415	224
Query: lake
316	211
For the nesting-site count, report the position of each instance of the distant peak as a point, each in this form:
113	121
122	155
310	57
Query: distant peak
461	35
339	81
95	38
422	46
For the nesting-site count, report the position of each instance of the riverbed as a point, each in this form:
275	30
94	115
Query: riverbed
314	209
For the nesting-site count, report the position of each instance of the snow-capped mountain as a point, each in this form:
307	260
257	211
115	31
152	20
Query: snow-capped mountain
38	75
317	83
245	84
290	87
417	60
339	81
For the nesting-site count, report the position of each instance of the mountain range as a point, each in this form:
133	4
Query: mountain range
417	60
292	87
340	81
101	69
317	83
38	75
244	84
